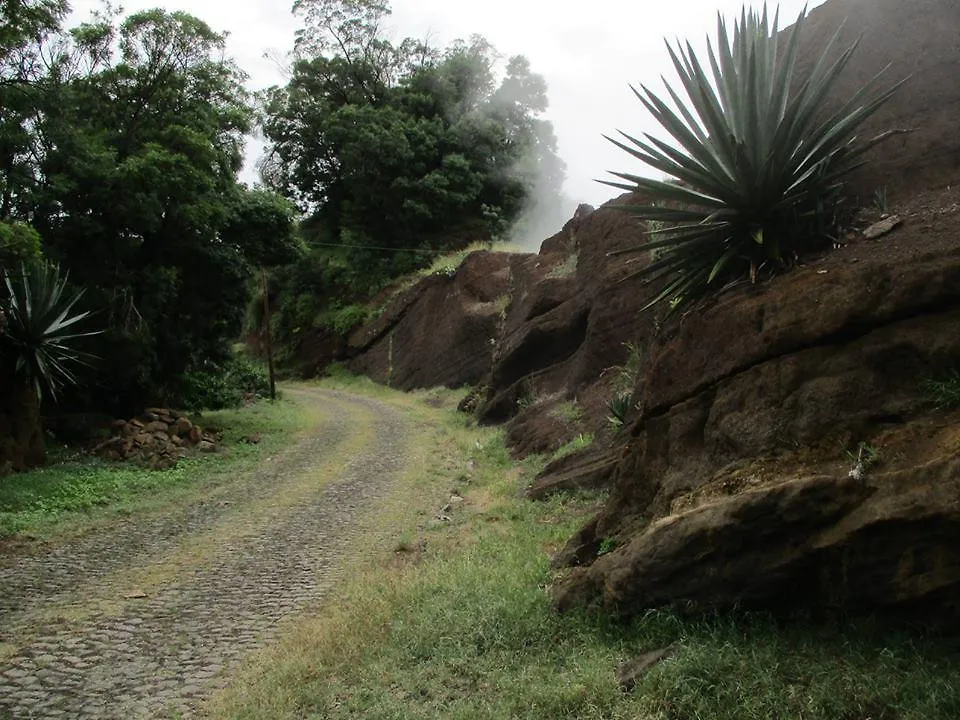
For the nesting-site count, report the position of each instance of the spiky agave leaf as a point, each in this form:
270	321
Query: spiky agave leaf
759	166
40	328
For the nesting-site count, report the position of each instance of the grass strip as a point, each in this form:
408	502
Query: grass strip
453	620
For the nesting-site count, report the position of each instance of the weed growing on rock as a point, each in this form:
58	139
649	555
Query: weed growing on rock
568	411
943	392
619	408
567	268
580	442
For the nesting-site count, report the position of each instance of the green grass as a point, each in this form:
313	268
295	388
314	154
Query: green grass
75	488
943	391
581	441
569	411
465	630
567	268
449	263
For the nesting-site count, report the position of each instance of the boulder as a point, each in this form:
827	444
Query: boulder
823	541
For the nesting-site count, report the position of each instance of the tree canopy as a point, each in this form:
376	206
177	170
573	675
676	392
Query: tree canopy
401	145
120	151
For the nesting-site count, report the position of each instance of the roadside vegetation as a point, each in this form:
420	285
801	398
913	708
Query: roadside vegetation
121	144
75	489
452	619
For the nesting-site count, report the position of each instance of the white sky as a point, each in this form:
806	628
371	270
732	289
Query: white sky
589	53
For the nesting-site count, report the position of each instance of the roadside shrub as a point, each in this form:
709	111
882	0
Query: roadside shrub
755	171
343	320
214	386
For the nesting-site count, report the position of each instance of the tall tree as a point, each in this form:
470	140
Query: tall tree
401	146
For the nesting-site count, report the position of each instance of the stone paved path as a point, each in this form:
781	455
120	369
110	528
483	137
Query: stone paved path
217	578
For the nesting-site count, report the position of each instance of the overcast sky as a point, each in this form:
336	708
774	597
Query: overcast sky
589	52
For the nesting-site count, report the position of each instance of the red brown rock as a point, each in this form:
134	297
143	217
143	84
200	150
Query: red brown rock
158	443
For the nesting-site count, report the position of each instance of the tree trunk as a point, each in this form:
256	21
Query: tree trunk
21	432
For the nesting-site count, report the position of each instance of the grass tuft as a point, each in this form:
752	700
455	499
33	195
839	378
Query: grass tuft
943	392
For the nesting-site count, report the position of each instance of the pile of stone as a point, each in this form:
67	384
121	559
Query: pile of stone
159	438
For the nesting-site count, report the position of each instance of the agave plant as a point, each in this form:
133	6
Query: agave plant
40	331
757	164
620	407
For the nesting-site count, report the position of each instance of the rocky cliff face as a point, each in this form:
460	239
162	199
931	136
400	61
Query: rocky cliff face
917	39
784	450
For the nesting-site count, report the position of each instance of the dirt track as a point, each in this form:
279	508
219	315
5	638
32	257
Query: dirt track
145	620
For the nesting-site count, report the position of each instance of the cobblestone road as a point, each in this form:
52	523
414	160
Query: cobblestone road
144	620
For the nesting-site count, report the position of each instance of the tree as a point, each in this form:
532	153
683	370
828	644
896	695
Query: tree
262	226
396	151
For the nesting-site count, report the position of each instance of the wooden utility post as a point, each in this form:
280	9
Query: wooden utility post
268	335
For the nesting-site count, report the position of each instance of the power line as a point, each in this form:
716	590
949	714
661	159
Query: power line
384	249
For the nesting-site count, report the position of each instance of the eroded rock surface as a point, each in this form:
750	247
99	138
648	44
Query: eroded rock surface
735	485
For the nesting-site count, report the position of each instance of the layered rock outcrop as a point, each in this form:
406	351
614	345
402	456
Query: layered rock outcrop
739	482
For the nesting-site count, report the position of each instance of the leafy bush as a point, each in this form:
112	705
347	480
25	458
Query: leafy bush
214	386
758	171
19	242
344	319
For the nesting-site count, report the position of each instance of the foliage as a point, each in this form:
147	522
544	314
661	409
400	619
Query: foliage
760	167
227	384
19	243
262	226
40	333
346	318
607	545
619	408
880	201
120	143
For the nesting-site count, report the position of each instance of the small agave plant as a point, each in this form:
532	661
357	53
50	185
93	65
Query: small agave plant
38	355
757	162
40	331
